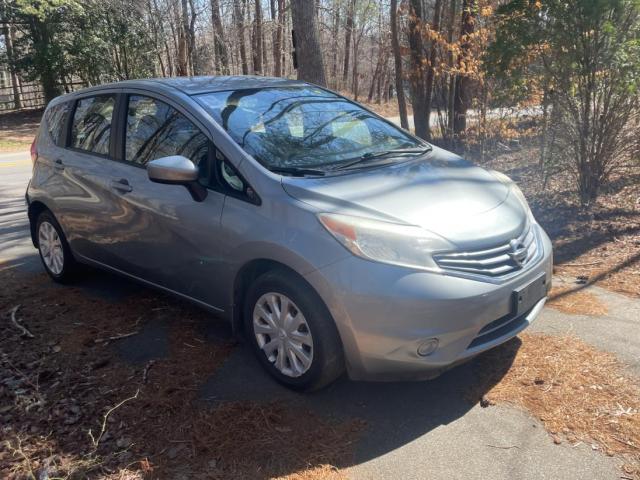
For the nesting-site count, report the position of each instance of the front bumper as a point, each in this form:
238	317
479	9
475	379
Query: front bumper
384	312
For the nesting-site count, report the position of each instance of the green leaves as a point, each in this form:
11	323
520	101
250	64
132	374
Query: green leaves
96	41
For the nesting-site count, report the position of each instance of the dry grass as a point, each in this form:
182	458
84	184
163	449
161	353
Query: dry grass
579	393
18	129
576	301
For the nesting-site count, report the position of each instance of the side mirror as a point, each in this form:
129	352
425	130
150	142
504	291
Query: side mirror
177	170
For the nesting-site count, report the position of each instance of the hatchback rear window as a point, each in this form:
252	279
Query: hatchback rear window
55	119
91	127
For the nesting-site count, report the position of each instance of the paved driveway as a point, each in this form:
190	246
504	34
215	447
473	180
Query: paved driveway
414	430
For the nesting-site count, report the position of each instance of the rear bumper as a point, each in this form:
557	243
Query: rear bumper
383	313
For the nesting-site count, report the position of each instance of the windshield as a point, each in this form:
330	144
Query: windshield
302	127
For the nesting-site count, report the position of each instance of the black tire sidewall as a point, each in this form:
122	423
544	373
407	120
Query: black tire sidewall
327	363
68	266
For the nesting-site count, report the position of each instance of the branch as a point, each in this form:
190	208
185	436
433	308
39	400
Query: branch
96	441
23	330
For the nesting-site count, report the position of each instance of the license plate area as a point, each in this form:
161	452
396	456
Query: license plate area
524	298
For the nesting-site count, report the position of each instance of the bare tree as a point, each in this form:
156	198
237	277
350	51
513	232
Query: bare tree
219	45
397	59
335	26
238	20
347	40
257	39
308	51
183	40
462	94
418	82
435	27
278	44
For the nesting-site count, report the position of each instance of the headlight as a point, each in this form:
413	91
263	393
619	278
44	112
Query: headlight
385	242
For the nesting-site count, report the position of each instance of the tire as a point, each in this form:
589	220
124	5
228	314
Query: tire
315	326
54	250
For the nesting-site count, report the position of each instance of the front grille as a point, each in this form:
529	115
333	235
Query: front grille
498	261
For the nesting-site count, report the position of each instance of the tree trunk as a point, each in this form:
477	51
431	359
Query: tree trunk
435	26
278	46
347	41
274	32
257	39
192	39
334	38
462	96
418	71
308	51
182	50
397	58
239	23
219	44
451	91
356	79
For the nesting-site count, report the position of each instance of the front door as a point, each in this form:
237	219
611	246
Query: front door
158	232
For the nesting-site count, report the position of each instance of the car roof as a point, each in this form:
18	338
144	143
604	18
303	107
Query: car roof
202	84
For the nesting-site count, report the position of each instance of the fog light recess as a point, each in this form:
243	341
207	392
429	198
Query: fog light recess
427	347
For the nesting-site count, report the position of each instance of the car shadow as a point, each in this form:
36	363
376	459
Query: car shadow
395	413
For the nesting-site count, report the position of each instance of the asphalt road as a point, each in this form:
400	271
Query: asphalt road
15	247
414	430
471	114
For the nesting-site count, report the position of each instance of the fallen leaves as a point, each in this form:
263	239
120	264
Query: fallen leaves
575	301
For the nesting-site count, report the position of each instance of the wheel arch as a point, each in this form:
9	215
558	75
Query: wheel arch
243	279
36	207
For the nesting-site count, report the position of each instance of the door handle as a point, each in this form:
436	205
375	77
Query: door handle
58	165
121	185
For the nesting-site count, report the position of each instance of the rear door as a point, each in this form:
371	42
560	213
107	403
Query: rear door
79	170
157	232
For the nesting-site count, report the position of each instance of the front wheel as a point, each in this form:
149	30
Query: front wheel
292	332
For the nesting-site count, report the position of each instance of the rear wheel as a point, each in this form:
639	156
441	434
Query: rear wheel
54	250
292	332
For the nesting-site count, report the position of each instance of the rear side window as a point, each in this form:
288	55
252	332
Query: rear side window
156	130
55	119
91	127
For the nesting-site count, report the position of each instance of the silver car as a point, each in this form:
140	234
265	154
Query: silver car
331	239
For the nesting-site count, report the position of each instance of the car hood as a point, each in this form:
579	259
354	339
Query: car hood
442	193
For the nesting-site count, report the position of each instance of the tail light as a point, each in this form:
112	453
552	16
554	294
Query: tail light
34	152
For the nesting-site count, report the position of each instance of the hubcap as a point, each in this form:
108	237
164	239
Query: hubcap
51	248
283	334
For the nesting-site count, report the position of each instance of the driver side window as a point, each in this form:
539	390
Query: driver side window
156	130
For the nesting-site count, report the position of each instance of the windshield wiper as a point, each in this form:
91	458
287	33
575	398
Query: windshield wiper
385	153
297	171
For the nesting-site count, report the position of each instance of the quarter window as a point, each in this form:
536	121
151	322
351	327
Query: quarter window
55	118
91	128
156	130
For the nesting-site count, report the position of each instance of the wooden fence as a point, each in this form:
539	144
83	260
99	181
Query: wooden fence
31	95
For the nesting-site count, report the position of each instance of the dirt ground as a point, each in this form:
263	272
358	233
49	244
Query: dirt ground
72	407
76	403
18	129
